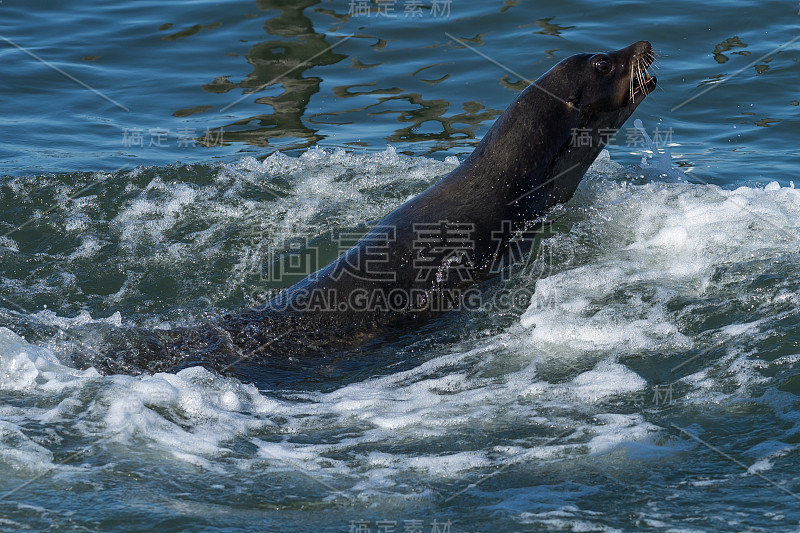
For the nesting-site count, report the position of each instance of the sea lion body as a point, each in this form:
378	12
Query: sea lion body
526	163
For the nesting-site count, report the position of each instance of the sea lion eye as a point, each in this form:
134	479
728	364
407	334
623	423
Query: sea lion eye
603	65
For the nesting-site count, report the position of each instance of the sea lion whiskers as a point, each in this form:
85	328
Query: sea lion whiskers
640	75
630	84
640	72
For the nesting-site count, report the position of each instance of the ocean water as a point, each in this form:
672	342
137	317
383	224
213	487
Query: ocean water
154	154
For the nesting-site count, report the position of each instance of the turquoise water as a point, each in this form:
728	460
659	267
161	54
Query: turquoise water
154	153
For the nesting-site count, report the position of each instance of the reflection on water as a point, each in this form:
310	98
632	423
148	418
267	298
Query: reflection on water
547	27
281	63
726	45
186	68
425	119
431	113
279	81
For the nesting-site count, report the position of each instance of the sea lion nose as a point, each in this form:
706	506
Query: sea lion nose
642	47
637	48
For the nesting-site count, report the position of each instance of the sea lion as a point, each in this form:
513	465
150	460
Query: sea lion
438	246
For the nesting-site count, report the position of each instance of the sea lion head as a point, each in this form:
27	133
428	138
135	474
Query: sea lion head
604	88
562	120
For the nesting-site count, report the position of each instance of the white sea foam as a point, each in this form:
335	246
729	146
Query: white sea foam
154	223
629	271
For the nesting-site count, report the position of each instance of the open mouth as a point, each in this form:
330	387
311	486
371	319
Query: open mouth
642	82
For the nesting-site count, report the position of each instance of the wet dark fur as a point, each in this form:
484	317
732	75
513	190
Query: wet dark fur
526	163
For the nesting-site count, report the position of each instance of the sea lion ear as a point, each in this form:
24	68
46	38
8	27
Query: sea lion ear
574	101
